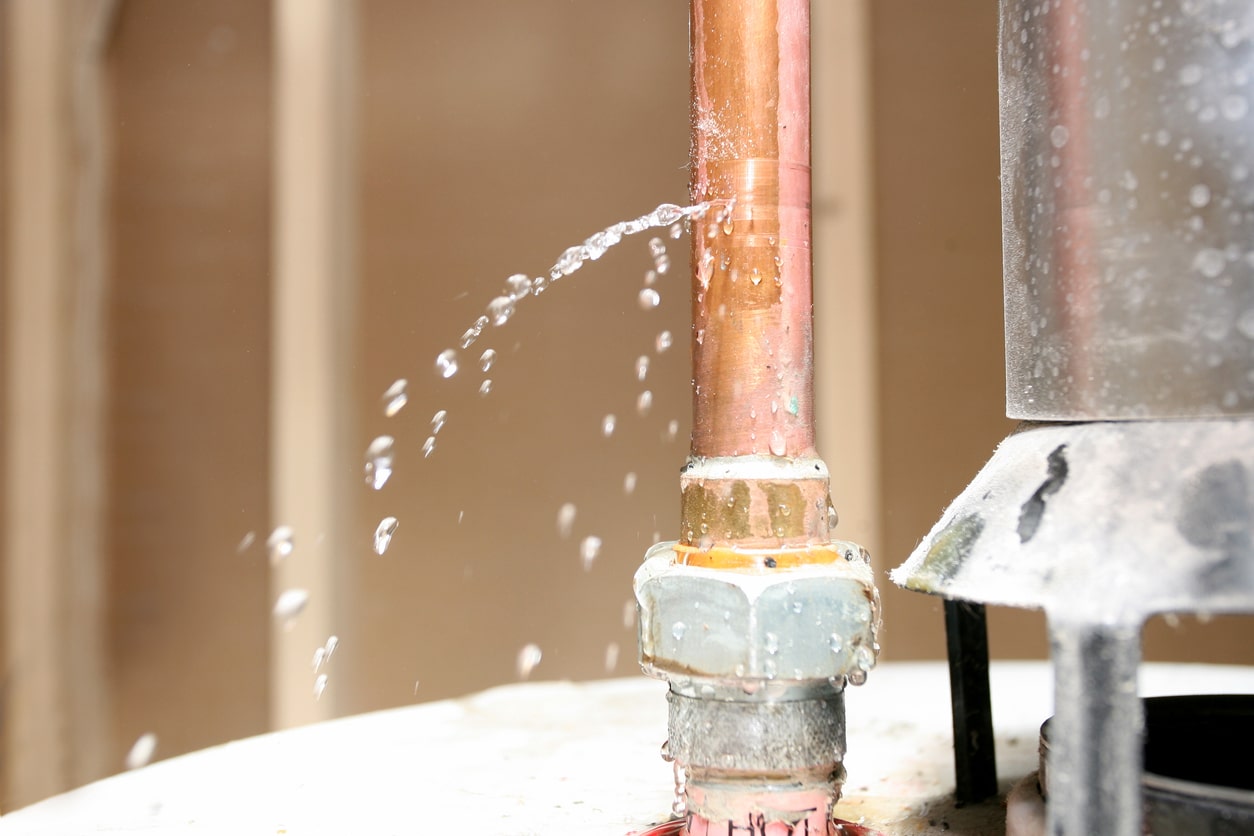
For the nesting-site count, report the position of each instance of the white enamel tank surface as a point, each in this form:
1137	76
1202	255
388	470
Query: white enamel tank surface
559	759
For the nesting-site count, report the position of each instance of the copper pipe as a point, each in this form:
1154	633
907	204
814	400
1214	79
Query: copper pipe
752	338
752	347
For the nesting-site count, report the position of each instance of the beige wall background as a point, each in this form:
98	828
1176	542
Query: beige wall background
489	136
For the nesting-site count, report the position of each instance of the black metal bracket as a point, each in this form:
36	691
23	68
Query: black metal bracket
975	763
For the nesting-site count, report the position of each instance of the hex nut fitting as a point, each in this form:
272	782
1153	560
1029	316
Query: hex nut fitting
810	623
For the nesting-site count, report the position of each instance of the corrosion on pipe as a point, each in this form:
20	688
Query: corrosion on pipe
753	390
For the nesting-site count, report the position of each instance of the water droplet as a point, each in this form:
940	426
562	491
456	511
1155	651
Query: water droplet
629	614
705	269
864	658
679	806
833	518
589	549
380	456
428	447
835	643
666	751
772	643
676	231
778	446
607	425
486	359
566	519
1209	262
141	751
568	262
596	245
663	341
528	658
517	286
290	603
246	543
1234	107
611	657
395	398
656	247
437	421
320	656
1245	324
1059	135
629	484
485	388
857	676
642	367
280	543
662	265
667	214
320	685
500	310
644	402
672	430
446	363
1190	74
678	629
1199	195
705	543
383	534
539	284
649	299
332	643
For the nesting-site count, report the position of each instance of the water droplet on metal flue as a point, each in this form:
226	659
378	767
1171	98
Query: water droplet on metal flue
642	367
484	388
487	359
663	341
437	421
644	402
607	425
629	483
649	299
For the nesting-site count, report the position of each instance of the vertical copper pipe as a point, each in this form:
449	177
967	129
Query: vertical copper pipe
754	482
753	389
